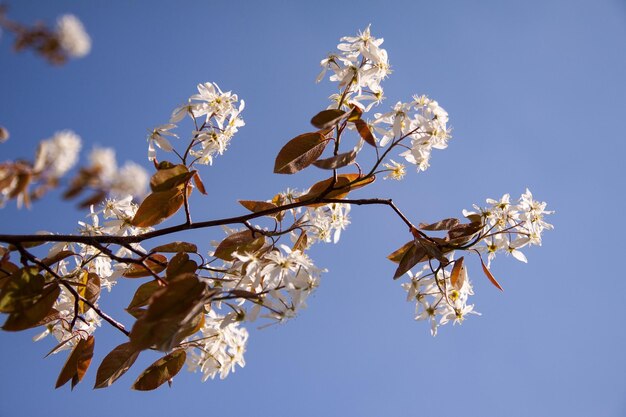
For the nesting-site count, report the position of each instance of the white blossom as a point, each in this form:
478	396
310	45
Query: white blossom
72	36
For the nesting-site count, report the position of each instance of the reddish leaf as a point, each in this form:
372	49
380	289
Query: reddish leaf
414	255
115	364
161	371
327	118
299	153
166	179
180	264
199	184
175	247
58	257
396	256
345	183
93	199
158	206
239	242
155	262
33	315
256	206
171	308
337	161
457	276
445	224
77	363
301	243
365	132
143	294
490	276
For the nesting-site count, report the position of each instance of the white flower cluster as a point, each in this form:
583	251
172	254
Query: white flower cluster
58	154
510	227
72	36
222	121
130	179
118	214
221	348
437	300
359	67
423	121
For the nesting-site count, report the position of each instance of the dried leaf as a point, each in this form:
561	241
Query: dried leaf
115	364
327	118
299	153
161	371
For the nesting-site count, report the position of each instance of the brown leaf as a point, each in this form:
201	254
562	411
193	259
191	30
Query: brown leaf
299	153
244	241
345	183
93	199
414	255
171	308
166	179
490	275
24	288
257	206
199	184
143	294
338	161
33	315
158	206
396	256
161	371
464	231
301	243
180	264
90	290
365	132
327	118
175	247
77	363
59	256
445	224
457	276
115	364
156	262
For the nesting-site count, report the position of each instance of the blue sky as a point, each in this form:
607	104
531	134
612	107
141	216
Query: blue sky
535	91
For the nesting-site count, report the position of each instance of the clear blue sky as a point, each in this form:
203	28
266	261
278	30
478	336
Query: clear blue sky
536	95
